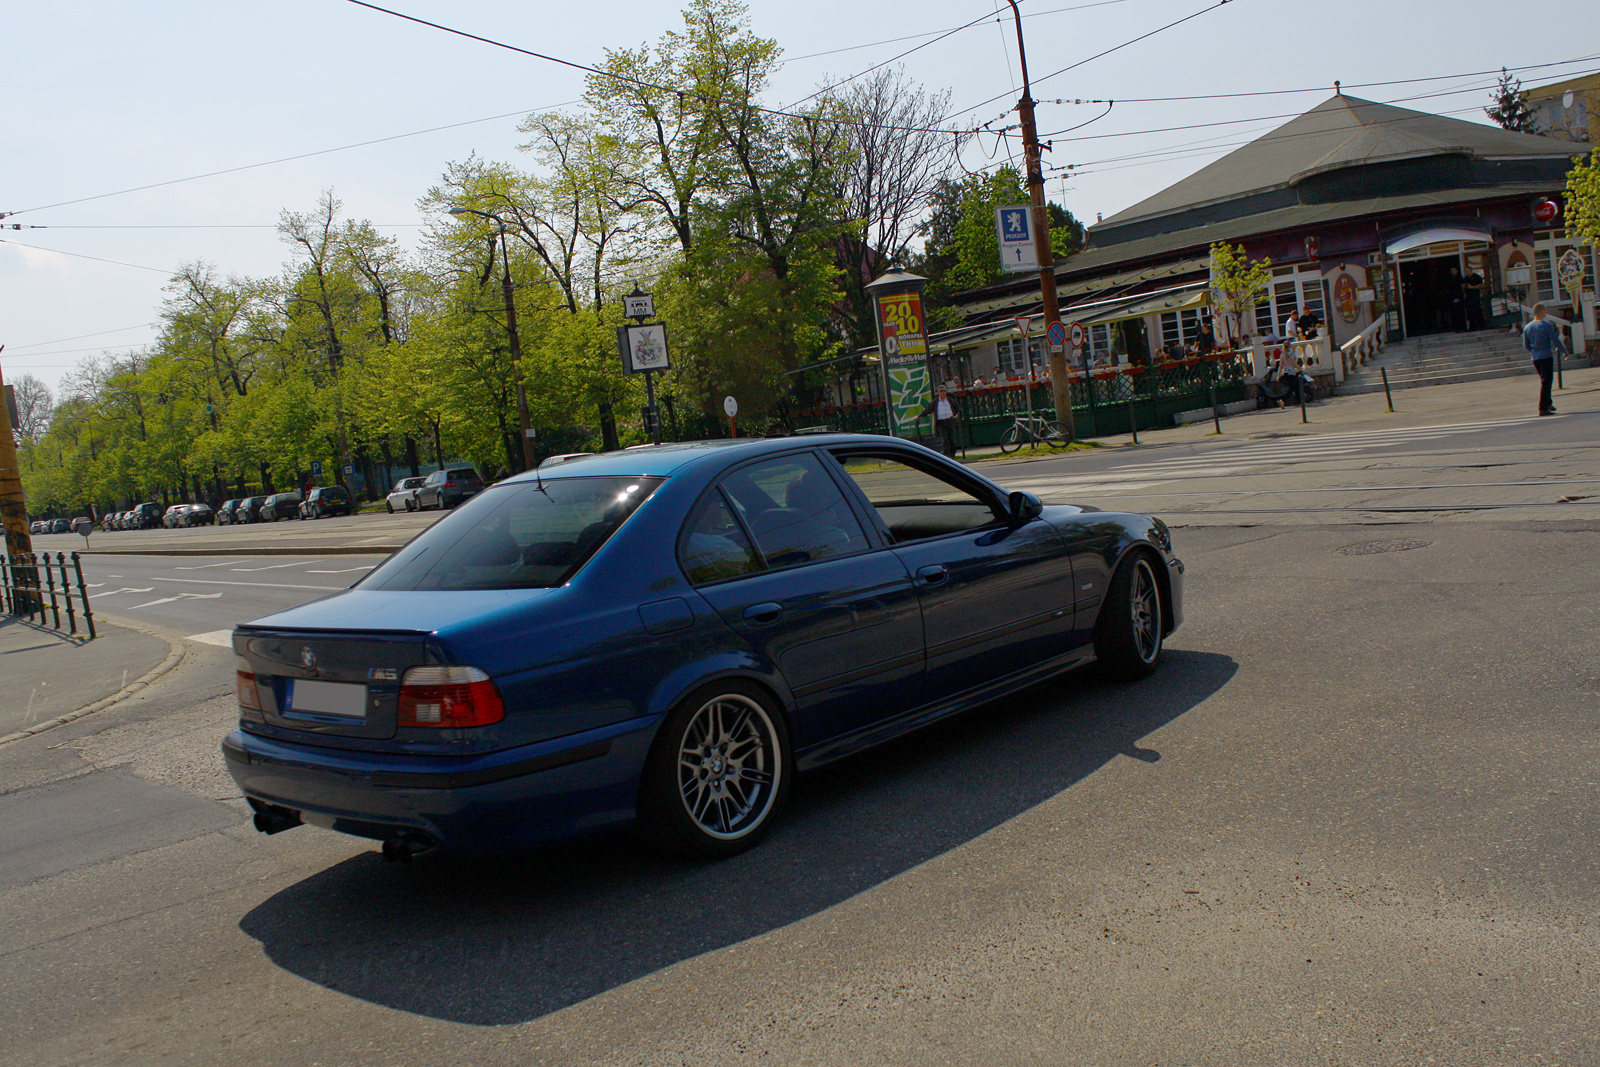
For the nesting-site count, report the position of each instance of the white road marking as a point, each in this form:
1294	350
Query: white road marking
180	596
346	570
258	585
124	589
222	638
280	566
208	566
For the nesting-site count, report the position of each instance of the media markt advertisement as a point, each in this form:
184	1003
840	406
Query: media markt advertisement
905	357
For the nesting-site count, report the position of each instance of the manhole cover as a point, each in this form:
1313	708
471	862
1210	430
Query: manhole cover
1372	548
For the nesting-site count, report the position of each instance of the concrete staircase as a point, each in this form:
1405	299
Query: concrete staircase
1445	359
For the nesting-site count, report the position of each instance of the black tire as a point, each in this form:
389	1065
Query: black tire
1057	439
389	507
1011	440
1128	635
718	773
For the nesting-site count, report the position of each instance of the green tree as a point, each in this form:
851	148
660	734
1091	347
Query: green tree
1583	197
1508	110
1237	283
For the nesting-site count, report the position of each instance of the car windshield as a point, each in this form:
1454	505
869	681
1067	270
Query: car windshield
521	535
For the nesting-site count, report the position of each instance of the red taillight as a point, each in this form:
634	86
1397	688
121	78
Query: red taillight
449	485
449	697
249	696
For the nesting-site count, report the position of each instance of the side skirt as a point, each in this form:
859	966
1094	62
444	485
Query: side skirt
836	748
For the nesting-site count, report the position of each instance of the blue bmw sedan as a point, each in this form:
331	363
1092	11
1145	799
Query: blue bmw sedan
668	635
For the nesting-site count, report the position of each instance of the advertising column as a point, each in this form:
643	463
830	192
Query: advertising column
903	345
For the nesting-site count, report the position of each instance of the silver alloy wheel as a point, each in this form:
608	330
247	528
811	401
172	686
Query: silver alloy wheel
1145	609
728	766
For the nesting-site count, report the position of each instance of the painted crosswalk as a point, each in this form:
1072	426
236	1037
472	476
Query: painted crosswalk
1242	458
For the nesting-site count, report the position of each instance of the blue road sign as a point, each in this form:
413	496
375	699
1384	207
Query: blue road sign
316	468
349	468
1056	334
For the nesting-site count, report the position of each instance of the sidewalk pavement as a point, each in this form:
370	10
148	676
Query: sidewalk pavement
1436	405
50	678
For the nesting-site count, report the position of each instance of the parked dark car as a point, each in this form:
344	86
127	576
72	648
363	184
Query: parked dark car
249	509
281	506
199	515
147	516
226	512
447	488
327	500
60	526
670	634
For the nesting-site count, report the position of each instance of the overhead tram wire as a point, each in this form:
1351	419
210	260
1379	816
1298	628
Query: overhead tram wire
939	33
1323	88
80	255
81	336
273	162
1073	66
642	83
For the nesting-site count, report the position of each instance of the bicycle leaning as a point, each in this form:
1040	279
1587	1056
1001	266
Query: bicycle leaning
1032	429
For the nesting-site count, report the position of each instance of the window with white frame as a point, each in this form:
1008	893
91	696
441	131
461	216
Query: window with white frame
1011	355
1549	247
1180	327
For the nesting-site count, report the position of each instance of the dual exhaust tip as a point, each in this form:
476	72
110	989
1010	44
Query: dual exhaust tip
403	847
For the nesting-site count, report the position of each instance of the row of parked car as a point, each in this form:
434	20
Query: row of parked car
320	502
442	489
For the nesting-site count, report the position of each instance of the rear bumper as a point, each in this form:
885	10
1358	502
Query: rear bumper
468	804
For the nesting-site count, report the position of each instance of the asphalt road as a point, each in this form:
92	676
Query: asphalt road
204	597
1350	820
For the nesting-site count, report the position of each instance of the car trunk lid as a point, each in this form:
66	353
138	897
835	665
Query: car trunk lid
327	682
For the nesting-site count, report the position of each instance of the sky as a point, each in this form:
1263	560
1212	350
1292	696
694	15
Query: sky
110	107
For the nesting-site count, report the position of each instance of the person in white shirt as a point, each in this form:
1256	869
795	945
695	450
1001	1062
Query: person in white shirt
945	417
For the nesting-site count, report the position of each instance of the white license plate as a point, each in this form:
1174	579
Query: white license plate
328	698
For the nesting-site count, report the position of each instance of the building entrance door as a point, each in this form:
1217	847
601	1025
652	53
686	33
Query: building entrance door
1432	295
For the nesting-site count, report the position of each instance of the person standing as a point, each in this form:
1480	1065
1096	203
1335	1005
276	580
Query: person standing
1206	343
1543	340
1474	296
945	417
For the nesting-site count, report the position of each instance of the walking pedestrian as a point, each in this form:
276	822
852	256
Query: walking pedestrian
1543	340
945	417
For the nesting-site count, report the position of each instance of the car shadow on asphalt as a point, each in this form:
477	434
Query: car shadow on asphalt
508	940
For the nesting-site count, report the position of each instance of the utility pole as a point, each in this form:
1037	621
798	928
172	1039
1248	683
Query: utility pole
1060	387
13	508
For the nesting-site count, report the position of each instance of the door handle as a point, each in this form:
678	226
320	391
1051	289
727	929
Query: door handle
933	574
762	613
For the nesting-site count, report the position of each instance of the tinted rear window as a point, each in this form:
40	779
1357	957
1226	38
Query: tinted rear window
516	536
462	475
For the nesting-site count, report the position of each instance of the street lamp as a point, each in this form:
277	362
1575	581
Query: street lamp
511	330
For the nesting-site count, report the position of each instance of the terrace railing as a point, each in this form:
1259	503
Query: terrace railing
1105	401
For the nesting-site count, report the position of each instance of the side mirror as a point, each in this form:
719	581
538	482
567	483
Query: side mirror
1023	508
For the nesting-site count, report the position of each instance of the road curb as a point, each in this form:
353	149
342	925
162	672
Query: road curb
303	550
174	657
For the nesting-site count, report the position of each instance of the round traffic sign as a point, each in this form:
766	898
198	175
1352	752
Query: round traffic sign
1077	335
1056	334
730	405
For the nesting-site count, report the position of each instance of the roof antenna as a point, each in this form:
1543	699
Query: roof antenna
1336	90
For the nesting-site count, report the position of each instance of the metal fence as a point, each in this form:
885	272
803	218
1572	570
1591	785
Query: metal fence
1110	401
42	588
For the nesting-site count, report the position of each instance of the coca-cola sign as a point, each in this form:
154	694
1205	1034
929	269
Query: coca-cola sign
1545	211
